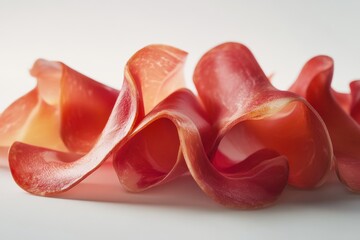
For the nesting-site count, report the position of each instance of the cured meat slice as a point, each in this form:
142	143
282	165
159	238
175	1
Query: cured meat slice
43	171
242	143
22	121
259	131
85	108
339	112
66	110
177	130
153	153
157	71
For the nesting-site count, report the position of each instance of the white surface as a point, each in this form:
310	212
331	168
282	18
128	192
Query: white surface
97	38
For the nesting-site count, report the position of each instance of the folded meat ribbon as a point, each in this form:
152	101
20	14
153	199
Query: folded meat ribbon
242	140
340	112
260	131
150	75
66	110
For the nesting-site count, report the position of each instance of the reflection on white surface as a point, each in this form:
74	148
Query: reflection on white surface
97	37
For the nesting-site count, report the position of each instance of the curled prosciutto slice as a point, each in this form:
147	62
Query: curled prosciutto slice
44	171
65	111
154	152
340	113
260	131
175	136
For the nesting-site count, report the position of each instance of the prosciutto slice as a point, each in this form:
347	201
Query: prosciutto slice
154	153
241	139
263	137
65	111
340	113
151	74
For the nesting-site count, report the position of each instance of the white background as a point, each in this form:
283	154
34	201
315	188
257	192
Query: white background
97	38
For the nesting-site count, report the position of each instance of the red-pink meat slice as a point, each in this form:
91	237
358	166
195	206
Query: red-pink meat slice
259	131
340	113
44	171
65	111
154	152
